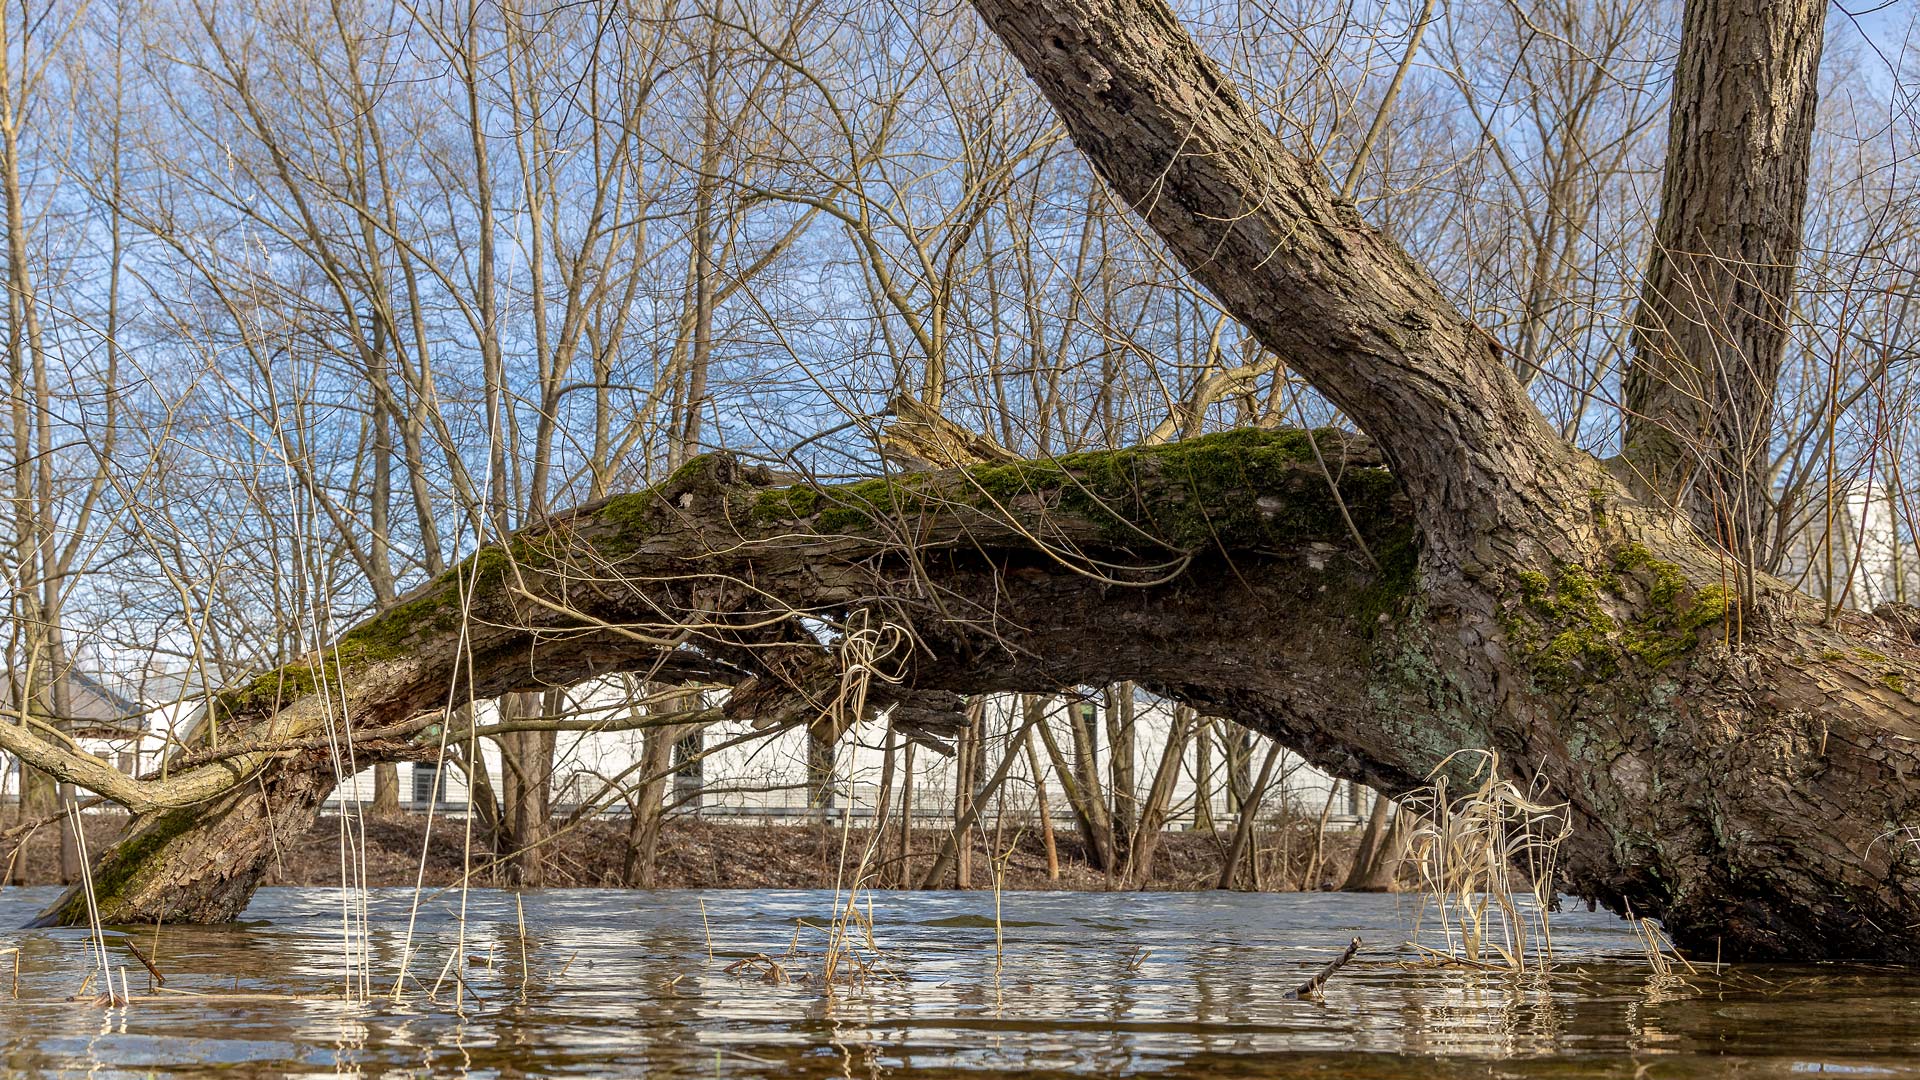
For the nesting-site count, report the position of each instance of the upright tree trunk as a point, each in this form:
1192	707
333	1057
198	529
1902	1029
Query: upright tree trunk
1097	833
649	810
1382	870
820	764
1203	776
903	873
1152	823
690	777
1242	844
1034	708
1239	753
1310	881
38	798
526	769
1120	767
1716	306
386	791
876	845
1372	839
957	852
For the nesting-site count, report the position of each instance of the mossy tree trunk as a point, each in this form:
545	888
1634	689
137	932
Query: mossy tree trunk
202	863
1734	760
1739	765
542	611
1742	793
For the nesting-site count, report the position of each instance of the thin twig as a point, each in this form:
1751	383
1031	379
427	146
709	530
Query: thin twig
1312	986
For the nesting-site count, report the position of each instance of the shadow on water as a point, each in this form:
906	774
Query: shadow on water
619	983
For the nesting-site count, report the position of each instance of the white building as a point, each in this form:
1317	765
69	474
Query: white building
1861	560
766	778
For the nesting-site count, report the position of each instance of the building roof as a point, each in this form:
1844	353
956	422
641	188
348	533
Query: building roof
93	708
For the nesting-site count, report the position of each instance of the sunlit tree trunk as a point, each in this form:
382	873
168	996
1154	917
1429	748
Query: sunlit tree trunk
1716	305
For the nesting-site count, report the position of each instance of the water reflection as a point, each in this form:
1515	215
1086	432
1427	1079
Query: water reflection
620	983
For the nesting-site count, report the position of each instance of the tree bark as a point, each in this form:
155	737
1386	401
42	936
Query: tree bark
1034	708
1742	795
1203	776
1121	784
1249	820
649	811
201	863
1748	785
1383	868
1488	587
386	791
1152	823
526	780
903	869
1716	303
955	851
1372	839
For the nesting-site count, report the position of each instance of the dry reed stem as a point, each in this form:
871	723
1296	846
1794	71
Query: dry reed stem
1487	860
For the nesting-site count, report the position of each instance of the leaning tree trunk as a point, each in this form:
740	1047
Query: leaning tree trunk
202	862
1739	766
1742	794
1731	756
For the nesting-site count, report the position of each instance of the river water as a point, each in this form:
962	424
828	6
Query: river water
618	983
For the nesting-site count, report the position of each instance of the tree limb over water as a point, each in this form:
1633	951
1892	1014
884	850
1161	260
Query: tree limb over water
1736	760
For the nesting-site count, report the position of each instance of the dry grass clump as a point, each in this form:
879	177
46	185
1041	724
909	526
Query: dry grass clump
1485	861
1662	956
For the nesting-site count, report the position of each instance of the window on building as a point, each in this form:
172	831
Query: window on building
429	785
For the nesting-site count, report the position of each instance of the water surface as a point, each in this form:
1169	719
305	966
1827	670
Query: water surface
619	983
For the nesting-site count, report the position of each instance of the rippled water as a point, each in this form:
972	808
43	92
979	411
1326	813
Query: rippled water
619	983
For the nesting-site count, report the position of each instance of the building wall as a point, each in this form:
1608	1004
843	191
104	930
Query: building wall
766	779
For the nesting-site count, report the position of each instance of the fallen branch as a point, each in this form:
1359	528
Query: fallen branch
1312	986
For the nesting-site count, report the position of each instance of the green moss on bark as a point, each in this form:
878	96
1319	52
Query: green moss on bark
135	857
1236	490
1581	625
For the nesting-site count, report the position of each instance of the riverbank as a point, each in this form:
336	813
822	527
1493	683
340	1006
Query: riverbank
695	853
